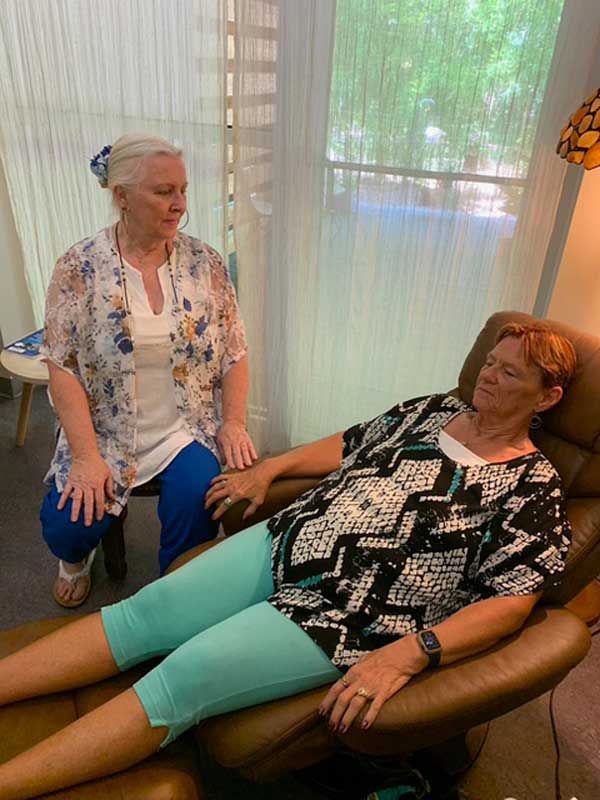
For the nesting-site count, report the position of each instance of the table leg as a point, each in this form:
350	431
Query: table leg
24	413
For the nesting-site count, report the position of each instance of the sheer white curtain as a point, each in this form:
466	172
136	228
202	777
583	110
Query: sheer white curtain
77	74
281	90
396	183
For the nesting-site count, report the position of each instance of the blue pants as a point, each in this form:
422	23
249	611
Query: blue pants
226	647
184	522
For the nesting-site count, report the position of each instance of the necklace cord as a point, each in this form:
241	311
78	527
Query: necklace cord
123	274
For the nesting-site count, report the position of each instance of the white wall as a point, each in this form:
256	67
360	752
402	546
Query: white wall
16	314
576	296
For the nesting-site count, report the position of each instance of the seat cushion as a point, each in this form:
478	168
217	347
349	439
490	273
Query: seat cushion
165	776
170	774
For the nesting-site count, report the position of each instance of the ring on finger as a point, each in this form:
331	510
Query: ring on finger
344	682
228	501
362	692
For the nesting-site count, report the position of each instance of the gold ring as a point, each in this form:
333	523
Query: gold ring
362	692
344	682
228	501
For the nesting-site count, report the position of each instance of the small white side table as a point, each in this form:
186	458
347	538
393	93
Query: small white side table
31	371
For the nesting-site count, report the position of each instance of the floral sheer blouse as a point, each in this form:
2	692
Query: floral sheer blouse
88	334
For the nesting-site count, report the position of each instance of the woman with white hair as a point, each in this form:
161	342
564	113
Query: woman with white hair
148	367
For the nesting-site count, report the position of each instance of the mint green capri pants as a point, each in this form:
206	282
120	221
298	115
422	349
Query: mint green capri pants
226	647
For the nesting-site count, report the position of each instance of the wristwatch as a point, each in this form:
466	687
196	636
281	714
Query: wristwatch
430	645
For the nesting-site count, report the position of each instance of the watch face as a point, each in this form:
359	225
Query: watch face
430	640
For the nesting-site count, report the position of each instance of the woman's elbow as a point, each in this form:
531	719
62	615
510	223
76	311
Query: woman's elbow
521	608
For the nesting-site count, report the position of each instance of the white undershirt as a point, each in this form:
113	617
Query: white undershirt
458	452
161	432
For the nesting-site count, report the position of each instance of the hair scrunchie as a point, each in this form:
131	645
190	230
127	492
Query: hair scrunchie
99	165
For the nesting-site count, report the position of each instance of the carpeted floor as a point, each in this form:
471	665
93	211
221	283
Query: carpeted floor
517	760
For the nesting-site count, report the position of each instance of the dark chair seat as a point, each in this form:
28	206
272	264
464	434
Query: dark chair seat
113	542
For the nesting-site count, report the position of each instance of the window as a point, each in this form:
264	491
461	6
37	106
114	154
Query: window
434	97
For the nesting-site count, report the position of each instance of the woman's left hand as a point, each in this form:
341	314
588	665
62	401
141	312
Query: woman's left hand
236	445
371	682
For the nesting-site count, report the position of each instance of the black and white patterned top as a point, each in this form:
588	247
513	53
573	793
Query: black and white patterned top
401	536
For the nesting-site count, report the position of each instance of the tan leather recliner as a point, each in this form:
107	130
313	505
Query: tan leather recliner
442	705
441	709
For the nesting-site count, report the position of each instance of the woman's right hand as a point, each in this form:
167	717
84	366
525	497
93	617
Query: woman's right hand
250	484
89	483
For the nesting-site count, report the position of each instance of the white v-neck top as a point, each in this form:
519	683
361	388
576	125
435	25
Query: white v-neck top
161	432
458	452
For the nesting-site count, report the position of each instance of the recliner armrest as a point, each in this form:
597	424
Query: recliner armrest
281	493
444	702
280	736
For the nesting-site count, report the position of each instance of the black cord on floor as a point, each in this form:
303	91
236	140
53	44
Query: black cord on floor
557	791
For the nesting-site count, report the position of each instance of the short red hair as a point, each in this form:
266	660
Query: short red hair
552	353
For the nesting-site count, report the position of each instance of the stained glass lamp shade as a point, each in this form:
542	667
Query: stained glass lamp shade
580	138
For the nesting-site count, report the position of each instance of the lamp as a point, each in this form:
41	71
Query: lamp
580	138
579	143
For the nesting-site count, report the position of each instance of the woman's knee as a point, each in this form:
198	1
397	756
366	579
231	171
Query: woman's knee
142	626
69	541
191	493
192	470
183	689
184	485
